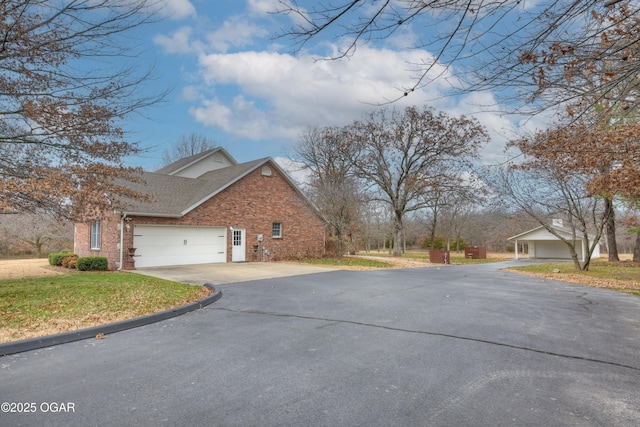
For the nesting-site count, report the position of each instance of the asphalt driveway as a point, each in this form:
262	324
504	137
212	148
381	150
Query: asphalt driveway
462	345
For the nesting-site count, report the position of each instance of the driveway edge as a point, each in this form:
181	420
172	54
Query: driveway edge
81	334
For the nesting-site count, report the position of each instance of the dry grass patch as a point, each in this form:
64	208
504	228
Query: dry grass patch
34	267
420	258
37	306
621	276
349	263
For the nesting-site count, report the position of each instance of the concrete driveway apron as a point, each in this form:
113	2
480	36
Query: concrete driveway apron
225	273
462	345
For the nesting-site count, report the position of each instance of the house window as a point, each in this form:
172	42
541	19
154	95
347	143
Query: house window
237	237
276	229
95	235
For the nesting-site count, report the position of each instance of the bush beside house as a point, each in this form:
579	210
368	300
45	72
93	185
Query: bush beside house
92	263
68	259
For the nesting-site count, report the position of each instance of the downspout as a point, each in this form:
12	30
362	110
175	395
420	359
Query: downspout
121	240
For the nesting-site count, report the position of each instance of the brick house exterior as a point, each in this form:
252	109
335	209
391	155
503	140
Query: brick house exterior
254	199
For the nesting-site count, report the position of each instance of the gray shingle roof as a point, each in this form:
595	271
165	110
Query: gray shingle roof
174	196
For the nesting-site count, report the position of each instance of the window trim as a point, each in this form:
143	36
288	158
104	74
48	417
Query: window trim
273	225
95	235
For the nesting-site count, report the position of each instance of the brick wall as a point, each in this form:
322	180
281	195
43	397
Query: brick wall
253	203
109	239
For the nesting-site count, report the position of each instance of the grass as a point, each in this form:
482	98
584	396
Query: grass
455	259
38	306
619	276
361	260
423	255
349	262
417	255
623	276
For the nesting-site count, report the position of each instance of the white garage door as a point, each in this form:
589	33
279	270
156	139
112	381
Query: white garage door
177	245
553	249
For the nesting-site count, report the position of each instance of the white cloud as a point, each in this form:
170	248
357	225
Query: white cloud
176	9
179	42
262	7
235	32
264	95
213	113
501	129
190	93
281	94
295	170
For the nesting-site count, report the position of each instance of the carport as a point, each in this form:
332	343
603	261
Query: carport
543	244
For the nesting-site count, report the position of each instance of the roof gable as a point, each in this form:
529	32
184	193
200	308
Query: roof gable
199	164
541	233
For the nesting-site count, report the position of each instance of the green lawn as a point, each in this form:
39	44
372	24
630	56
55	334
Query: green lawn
45	305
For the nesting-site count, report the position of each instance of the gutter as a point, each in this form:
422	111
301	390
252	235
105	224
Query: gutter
159	215
121	241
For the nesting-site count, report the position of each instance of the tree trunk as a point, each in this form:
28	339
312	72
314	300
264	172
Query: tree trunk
434	223
39	246
397	234
636	249
610	230
574	258
340	248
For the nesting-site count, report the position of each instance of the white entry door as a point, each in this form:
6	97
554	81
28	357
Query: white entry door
238	247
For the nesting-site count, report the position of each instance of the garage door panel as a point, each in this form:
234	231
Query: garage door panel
178	245
551	249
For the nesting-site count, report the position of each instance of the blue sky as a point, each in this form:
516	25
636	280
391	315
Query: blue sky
230	80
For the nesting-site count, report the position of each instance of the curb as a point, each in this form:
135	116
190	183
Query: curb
81	334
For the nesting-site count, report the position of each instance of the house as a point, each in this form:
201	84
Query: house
543	244
206	208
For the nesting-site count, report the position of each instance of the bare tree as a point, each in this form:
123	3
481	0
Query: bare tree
544	193
38	231
494	223
631	222
187	146
404	155
456	215
592	67
446	202
606	154
67	78
495	44
332	187
376	225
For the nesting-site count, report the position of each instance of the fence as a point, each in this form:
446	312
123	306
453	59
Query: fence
437	256
475	252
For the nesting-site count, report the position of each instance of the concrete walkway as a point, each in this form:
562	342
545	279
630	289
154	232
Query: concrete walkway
222	274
